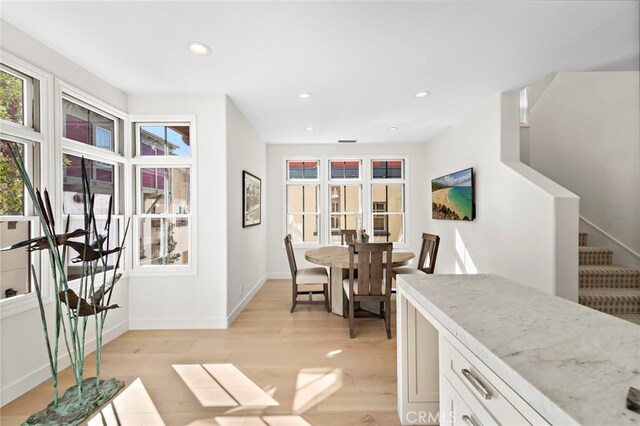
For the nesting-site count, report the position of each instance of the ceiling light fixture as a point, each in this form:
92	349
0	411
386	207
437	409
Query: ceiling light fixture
423	94
309	129
305	95
392	129
199	49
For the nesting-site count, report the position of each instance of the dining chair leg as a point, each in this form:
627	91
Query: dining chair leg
294	296
345	304
325	287
387	316
352	332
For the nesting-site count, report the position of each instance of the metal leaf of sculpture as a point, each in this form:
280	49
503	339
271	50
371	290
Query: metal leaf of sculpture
42	243
87	254
81	307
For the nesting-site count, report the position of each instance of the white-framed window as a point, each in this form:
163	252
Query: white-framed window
164	208
91	129
345	197
303	216
25	121
325	194
387	208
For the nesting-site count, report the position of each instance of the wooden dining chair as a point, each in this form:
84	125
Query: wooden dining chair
304	277
347	236
373	281
426	260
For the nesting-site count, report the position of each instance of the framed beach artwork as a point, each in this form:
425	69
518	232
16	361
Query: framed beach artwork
251	199
452	196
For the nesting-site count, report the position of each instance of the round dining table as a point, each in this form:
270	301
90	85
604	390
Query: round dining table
337	259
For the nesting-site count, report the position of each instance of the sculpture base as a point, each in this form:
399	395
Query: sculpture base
71	410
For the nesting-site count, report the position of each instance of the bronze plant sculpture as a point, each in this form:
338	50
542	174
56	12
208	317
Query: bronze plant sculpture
73	310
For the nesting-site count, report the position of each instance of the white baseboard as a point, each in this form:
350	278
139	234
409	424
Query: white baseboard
30	381
236	311
176	323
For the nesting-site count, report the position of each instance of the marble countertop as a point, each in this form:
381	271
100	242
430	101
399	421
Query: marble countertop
572	364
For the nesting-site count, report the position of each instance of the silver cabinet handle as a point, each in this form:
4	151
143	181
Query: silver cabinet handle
469	421
476	383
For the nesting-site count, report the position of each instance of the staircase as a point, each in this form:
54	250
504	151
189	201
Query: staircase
608	288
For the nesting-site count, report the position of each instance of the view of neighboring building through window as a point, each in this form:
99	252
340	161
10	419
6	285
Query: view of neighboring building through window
102	181
87	126
387	201
303	201
163	194
345	198
165	140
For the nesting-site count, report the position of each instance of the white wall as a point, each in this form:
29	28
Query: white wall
246	247
193	301
23	359
517	225
585	135
31	50
416	194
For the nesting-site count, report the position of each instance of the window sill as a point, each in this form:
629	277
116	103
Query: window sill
18	304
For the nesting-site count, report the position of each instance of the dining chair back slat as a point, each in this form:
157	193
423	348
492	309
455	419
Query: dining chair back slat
373	283
347	236
428	251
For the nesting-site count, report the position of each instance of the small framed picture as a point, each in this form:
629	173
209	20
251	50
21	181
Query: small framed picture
251	199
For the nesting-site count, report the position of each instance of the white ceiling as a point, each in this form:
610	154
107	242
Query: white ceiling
363	61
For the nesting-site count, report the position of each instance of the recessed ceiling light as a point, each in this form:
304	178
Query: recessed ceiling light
392	129
309	129
423	94
305	95
199	49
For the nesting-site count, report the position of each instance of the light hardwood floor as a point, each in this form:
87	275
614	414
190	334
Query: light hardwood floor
305	361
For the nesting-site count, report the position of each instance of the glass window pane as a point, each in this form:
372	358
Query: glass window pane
388	169
83	125
387	198
15	274
165	140
388	227
302	169
345	198
74	266
11	186
303	228
165	190
341	221
302	198
163	241
11	97
101	182
345	169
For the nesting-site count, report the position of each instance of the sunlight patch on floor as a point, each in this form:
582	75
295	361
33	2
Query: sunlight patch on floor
314	385
133	406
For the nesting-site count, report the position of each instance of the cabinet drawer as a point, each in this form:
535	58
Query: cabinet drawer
454	411
481	388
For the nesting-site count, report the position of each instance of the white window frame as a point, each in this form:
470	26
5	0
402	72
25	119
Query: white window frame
389	181
345	182
320	181
41	176
117	158
139	161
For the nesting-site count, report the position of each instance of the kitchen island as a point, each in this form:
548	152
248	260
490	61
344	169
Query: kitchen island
482	349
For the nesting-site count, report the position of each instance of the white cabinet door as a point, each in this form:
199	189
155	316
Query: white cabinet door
418	373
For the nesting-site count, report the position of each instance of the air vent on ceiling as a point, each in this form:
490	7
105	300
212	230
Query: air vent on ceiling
347	141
